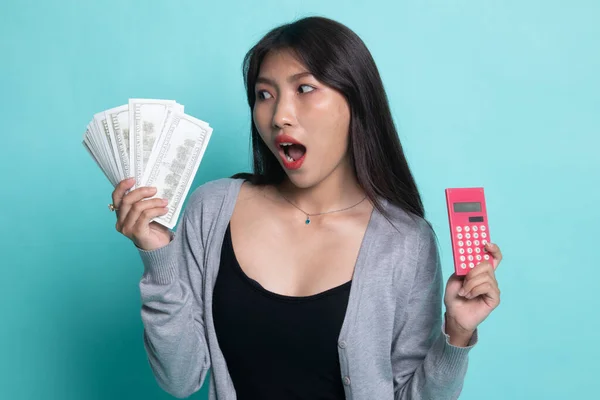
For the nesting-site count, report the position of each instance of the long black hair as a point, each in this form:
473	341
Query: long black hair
337	57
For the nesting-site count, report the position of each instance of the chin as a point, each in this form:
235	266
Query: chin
299	179
307	177
303	180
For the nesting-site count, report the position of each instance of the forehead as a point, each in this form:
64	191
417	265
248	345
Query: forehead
281	63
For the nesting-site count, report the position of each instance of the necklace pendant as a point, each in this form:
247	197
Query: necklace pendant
307	220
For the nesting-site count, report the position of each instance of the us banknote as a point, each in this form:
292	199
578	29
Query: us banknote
118	126
147	118
155	142
175	160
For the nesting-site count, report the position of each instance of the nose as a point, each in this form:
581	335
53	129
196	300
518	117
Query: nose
284	113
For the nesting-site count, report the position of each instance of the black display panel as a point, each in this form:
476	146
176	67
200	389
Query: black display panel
467	207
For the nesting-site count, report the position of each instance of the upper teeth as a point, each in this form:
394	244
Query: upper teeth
286	144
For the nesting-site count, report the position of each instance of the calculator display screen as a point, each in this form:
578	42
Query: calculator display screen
467	207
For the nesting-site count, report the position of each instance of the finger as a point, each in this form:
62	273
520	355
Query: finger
469	284
484	267
147	215
496	253
482	272
121	189
487	289
136	211
129	200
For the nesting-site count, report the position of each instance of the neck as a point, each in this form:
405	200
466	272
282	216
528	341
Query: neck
337	191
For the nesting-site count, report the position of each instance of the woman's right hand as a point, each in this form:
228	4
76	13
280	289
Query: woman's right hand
134	215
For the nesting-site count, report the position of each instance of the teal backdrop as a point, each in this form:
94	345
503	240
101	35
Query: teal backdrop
504	95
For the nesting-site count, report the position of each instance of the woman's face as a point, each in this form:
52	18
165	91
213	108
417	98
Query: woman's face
293	107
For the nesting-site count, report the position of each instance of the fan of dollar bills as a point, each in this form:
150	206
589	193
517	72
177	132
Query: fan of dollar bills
153	141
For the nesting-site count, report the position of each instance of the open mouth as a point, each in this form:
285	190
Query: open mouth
292	151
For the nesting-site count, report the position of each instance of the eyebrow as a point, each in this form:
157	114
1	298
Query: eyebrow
295	77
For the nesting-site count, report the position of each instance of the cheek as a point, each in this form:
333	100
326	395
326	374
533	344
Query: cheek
256	117
260	120
332	124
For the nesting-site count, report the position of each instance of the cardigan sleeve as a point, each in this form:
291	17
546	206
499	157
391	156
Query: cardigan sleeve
425	365
172	312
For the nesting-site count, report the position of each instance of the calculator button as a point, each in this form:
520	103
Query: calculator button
477	250
475	228
458	229
482	227
462	258
469	250
460	236
461	243
478	257
463	265
468	235
470	258
487	257
484	235
467	229
484	242
469	243
471	265
461	251
476	242
476	235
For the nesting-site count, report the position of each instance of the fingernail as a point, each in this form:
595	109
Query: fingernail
468	295
166	201
461	292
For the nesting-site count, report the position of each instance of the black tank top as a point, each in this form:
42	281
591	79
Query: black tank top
277	347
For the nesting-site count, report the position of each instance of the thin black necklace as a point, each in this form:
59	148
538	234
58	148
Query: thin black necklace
321	213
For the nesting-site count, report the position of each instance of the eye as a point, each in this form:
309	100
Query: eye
263	95
307	88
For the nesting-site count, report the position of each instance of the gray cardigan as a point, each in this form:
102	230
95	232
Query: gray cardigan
391	345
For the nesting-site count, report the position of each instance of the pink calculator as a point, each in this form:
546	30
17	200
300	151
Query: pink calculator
469	228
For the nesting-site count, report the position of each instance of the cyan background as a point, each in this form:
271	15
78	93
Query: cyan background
505	95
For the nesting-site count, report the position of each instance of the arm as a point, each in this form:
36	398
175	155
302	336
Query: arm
425	364
171	291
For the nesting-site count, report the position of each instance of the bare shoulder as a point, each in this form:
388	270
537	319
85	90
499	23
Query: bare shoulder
253	200
250	192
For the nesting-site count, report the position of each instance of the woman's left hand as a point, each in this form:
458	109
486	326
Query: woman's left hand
470	299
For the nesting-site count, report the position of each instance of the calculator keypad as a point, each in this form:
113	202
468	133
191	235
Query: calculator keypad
473	249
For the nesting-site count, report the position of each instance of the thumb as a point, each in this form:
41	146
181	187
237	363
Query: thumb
454	284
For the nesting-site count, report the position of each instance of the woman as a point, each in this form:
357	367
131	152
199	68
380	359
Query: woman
334	290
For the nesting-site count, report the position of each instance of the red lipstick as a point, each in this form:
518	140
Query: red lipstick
291	151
